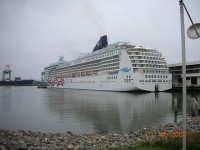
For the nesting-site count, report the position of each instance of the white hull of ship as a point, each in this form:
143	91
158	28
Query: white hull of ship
104	84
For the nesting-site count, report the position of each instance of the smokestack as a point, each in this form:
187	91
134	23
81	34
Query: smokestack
103	42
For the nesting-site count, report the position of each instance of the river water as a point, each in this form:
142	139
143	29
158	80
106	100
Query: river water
85	111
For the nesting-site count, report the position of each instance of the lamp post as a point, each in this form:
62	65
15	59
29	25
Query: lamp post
193	33
183	72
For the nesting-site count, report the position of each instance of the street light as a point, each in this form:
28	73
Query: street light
193	33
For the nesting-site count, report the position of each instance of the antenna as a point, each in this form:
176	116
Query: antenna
61	58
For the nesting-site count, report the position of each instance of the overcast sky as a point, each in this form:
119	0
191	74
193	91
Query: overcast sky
34	33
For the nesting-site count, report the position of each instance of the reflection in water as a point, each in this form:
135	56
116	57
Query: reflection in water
190	94
6	97
84	111
112	111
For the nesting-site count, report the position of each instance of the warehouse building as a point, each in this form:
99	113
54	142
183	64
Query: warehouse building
192	74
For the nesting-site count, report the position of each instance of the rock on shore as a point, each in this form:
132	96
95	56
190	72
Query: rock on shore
28	140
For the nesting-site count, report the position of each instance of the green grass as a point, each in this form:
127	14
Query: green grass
193	143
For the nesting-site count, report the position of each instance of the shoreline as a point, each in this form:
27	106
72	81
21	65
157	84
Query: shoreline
29	140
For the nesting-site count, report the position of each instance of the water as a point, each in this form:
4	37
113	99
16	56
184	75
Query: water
84	111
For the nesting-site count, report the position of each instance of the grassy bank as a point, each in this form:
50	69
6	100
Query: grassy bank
193	143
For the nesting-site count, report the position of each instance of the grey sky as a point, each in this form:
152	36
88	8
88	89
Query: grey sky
34	33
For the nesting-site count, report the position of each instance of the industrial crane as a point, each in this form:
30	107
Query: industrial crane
5	72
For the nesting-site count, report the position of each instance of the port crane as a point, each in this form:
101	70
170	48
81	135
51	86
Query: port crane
43	76
7	71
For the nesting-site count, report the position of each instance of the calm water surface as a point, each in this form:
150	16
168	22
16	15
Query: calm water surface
84	111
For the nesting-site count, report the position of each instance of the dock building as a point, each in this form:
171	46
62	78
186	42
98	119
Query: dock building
192	74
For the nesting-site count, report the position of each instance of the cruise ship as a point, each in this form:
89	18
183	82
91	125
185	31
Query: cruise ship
116	67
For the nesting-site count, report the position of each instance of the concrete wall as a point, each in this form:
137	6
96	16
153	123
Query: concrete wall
174	81
188	82
198	80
